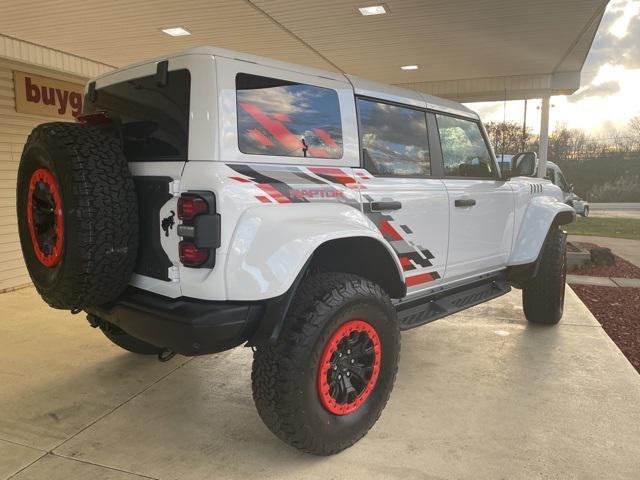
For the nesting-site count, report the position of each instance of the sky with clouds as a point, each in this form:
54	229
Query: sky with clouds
610	92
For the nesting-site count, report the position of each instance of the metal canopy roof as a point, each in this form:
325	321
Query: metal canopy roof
467	50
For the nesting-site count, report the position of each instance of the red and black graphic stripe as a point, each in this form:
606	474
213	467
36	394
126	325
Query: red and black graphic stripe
294	185
421	279
276	189
335	175
421	258
410	256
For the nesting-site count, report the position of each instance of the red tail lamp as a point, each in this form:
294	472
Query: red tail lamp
96	118
189	206
192	256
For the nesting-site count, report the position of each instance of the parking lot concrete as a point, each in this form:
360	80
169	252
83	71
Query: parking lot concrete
481	394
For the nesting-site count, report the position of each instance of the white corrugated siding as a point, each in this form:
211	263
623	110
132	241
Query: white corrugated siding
37	55
14	129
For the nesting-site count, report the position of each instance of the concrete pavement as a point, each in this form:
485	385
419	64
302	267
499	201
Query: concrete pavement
478	395
619	210
616	206
593	281
603	281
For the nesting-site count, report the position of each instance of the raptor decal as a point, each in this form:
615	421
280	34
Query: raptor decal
289	184
284	184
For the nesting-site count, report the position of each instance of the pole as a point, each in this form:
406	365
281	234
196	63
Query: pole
524	127
544	138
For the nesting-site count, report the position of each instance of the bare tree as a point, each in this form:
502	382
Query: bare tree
507	137
633	128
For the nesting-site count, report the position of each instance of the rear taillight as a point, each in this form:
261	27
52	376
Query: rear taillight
191	205
200	229
192	256
96	118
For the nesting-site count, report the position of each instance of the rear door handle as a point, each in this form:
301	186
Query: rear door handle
465	202
381	206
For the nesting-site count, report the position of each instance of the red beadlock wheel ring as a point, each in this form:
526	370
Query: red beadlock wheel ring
44	217
349	367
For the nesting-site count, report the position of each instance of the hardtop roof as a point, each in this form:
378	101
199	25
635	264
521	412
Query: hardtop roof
360	86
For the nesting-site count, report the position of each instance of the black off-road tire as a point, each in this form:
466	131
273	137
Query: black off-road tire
285	376
126	341
99	212
543	296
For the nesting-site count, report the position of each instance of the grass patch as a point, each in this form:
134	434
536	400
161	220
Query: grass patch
606	227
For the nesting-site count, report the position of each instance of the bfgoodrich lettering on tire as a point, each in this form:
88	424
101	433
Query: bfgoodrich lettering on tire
328	378
77	215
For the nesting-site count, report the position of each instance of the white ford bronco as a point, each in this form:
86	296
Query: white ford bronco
212	199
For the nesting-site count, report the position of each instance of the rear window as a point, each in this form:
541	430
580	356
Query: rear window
153	119
282	118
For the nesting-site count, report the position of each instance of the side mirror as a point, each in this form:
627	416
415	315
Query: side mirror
524	164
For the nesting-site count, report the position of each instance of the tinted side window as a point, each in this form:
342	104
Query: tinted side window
394	139
562	183
464	150
277	117
550	175
154	120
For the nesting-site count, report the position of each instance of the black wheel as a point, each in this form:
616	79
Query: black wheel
126	341
324	384
543	296
77	215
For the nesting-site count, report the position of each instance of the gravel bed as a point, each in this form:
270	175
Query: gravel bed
621	269
618	311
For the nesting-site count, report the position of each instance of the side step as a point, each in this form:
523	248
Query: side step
424	310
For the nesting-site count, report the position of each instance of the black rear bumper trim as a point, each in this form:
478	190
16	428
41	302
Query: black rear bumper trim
186	326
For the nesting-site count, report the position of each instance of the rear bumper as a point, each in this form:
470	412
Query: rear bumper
186	326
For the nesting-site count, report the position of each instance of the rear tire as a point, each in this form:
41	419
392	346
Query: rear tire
77	215
543	296
296	385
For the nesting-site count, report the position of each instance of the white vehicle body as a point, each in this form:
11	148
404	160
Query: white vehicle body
276	211
212	199
555	175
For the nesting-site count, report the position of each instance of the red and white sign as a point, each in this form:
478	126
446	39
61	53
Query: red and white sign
45	96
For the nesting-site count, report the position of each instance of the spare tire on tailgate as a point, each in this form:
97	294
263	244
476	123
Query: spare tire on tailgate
77	215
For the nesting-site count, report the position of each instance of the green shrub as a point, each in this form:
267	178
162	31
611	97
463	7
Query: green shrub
622	189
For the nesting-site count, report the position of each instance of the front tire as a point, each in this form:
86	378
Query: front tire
543	296
324	384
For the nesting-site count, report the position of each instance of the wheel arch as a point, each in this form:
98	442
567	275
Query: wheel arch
338	255
272	246
542	214
363	256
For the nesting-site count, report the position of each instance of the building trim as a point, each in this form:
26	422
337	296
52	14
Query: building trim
48	58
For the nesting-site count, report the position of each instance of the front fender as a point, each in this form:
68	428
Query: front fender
271	244
542	212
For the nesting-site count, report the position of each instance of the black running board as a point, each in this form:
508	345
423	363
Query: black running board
424	310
